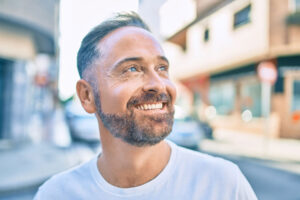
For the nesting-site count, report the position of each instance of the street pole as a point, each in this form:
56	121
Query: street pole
266	107
267	73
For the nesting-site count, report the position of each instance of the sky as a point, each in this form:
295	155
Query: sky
77	18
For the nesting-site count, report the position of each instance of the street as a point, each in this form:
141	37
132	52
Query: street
268	183
271	184
27	194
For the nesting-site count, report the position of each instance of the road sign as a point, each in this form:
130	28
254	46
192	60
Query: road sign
267	72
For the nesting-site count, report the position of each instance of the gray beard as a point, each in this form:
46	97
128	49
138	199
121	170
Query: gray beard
127	127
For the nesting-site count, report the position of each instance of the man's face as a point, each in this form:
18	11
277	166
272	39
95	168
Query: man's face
136	94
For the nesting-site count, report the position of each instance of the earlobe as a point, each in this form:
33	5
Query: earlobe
86	96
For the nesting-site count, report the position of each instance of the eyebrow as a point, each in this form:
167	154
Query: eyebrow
163	58
115	66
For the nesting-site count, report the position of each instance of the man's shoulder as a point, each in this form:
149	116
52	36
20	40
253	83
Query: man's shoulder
195	160
72	173
200	170
196	166
66	181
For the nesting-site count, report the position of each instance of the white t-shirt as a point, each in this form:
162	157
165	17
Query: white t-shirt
188	175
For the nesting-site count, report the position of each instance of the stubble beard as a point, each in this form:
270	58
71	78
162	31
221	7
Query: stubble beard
136	131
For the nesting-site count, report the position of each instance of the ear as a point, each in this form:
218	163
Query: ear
86	96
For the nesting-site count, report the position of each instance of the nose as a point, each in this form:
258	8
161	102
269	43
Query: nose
154	83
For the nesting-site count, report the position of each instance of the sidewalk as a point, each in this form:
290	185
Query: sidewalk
279	153
29	165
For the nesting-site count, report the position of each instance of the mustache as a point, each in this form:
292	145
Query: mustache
149	97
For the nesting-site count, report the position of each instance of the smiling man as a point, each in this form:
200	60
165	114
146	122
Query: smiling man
125	82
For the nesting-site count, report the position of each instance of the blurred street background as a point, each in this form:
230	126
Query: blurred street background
236	65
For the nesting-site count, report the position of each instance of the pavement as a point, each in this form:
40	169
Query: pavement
29	165
278	153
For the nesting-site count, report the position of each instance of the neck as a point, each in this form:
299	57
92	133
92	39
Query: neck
124	165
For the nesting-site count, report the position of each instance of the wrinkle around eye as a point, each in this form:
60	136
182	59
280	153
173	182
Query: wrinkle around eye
162	67
131	68
126	74
165	68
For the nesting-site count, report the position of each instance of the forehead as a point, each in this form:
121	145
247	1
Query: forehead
129	42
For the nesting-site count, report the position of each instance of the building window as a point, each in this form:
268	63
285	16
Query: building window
296	96
251	98
297	5
242	17
222	97
206	35
6	80
294	17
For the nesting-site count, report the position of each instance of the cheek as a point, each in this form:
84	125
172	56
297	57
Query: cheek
115	98
172	90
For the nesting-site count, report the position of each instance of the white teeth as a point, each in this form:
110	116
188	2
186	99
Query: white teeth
150	106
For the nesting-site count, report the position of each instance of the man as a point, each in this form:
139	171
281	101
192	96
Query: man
125	81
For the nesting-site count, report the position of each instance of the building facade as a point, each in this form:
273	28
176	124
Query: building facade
27	62
219	58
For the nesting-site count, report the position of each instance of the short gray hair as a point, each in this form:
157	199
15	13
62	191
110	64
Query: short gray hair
88	51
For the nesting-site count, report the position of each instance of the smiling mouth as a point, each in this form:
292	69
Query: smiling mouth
151	106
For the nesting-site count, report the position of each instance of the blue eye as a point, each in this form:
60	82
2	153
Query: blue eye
132	69
162	68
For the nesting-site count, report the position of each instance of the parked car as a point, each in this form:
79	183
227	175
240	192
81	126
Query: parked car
83	126
187	133
207	130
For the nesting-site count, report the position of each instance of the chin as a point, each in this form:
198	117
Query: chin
160	132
